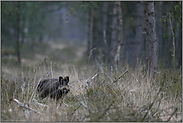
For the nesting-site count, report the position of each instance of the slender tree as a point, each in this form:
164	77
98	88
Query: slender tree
108	32
151	48
90	27
105	18
18	33
179	46
160	31
95	34
167	40
120	35
113	34
139	33
173	36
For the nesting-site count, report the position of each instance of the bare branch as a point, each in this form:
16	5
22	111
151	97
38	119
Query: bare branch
82	103
120	76
176	109
92	78
25	107
39	103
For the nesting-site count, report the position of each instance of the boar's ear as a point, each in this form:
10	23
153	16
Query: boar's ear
60	78
67	78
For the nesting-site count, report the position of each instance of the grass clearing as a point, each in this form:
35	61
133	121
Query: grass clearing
97	93
133	97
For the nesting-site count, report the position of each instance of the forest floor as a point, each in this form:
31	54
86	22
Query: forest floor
97	92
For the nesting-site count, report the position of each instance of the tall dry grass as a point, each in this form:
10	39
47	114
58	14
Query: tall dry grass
98	93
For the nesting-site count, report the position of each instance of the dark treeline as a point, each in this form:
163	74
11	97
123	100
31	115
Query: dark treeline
105	27
117	33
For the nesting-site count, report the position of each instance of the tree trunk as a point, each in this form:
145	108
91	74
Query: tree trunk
94	42
90	25
113	35
23	34
105	8
179	54
18	33
139	34
178	44
120	35
167	40
173	41
91	42
22	26
160	32
151	48
108	32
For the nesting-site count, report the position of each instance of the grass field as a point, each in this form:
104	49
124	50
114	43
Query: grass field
97	92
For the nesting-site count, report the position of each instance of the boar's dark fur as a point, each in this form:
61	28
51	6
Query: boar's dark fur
54	88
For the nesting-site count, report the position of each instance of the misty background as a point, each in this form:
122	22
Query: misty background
34	28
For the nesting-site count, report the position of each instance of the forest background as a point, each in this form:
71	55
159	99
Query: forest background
143	40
